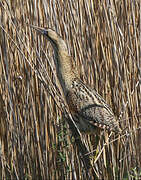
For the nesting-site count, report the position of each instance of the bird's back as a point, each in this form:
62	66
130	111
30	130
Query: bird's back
89	109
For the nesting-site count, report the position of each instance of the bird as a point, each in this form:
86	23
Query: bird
88	109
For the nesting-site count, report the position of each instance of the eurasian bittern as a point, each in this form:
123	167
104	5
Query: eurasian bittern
89	110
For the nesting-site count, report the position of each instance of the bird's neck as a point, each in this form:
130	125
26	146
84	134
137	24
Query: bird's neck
66	72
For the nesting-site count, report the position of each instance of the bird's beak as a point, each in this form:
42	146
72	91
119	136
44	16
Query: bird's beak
39	29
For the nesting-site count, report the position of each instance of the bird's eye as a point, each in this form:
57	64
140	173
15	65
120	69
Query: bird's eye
46	32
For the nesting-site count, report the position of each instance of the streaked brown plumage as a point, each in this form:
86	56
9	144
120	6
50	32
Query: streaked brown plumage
88	108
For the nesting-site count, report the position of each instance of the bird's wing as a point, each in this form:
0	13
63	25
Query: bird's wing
99	115
90	107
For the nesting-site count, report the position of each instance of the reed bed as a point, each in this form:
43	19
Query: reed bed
104	37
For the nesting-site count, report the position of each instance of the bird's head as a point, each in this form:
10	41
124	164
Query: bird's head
52	36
